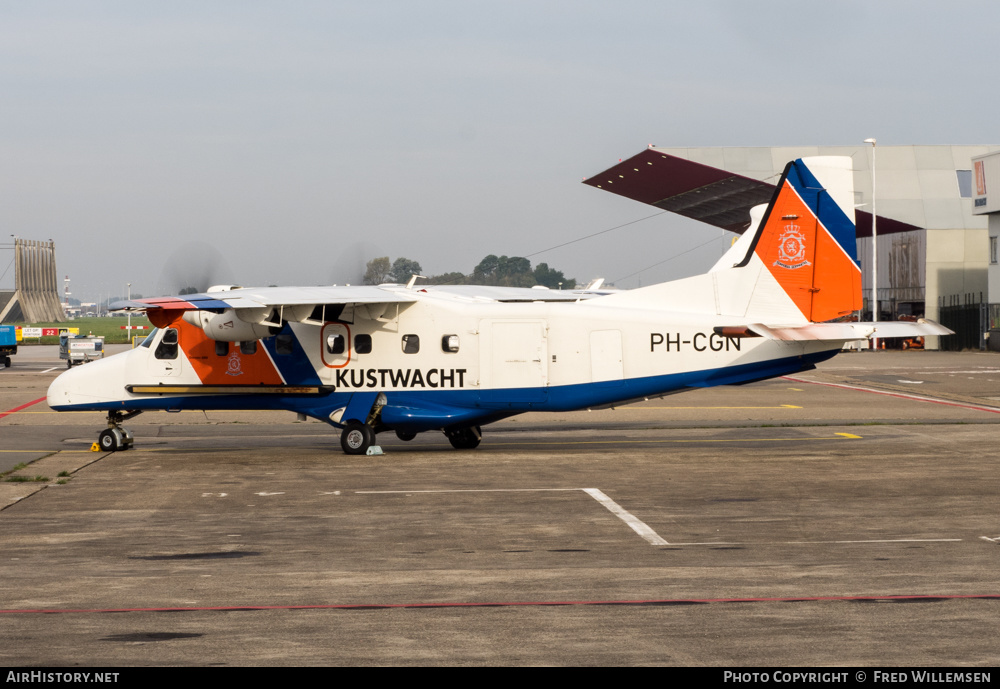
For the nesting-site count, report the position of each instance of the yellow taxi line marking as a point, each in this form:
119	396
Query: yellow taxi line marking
34	451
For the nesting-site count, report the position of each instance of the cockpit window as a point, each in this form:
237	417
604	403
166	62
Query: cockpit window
149	338
167	349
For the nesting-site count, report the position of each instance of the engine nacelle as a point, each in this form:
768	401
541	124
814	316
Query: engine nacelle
227	327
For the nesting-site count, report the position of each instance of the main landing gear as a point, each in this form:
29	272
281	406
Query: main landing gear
115	437
357	437
464	438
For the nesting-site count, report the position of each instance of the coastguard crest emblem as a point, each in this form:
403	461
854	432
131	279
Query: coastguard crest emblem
235	365
792	248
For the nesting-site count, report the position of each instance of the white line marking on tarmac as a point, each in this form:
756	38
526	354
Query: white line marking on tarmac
634	523
50	369
467	490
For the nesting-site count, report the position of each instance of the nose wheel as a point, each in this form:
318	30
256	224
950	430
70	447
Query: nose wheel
115	437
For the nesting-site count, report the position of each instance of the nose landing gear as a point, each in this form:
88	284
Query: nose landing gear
115	437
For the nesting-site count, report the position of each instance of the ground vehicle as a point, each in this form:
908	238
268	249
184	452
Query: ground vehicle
8	343
79	349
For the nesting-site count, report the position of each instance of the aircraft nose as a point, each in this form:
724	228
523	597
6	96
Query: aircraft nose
97	382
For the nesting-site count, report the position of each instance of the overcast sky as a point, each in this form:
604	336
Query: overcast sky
288	143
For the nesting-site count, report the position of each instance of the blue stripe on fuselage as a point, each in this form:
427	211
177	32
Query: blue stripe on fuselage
421	410
294	367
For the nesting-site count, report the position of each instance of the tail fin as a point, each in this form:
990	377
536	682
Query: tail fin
797	265
806	239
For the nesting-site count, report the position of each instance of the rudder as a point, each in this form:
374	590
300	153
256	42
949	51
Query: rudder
807	238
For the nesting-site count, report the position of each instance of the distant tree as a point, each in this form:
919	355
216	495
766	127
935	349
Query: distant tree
189	290
377	271
552	278
403	269
507	271
512	266
453	278
486	270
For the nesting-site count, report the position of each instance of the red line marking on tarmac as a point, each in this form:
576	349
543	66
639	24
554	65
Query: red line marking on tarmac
901	395
512	604
23	406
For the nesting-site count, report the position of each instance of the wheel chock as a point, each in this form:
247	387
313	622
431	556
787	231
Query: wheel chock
94	447
375	450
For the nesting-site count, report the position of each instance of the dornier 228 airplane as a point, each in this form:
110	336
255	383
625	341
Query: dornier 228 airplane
412	359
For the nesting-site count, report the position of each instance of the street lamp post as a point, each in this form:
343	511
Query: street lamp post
129	312
874	249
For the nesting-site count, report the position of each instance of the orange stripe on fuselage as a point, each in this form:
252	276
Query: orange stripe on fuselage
236	368
807	262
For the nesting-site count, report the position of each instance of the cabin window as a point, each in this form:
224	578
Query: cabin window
221	348
167	349
248	347
149	338
449	343
363	344
335	343
284	344
411	344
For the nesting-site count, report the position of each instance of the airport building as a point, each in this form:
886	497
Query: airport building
35	297
933	246
986	177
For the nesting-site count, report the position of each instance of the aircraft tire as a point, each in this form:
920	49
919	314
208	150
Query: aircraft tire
110	440
465	438
405	435
356	438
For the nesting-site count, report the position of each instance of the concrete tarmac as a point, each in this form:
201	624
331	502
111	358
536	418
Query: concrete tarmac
844	516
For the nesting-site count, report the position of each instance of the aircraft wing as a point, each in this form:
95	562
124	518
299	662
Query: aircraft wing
278	297
513	294
268	297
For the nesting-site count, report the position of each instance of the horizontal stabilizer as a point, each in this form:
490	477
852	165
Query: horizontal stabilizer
850	331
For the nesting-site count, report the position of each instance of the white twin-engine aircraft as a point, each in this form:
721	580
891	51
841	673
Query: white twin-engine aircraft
411	359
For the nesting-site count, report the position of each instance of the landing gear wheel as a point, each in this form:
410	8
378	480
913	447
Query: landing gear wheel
115	437
111	440
356	438
465	438
405	435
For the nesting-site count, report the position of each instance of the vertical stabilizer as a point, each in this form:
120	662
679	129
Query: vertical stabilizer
796	264
806	240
